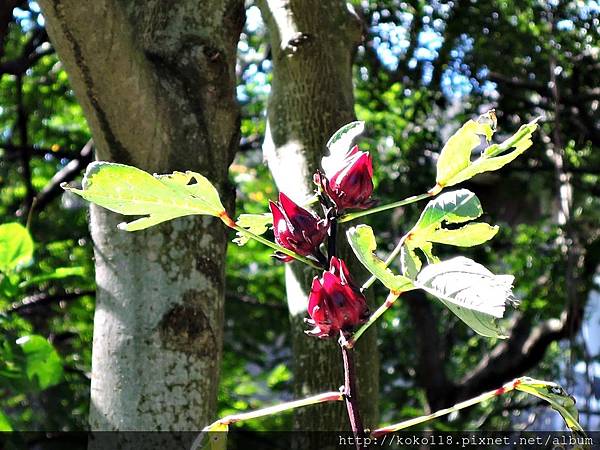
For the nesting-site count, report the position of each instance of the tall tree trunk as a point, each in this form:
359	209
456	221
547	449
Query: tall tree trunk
313	42
157	83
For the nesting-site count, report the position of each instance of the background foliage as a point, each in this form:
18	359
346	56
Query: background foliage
422	70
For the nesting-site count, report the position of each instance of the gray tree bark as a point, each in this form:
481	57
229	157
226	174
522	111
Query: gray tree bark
156	80
313	42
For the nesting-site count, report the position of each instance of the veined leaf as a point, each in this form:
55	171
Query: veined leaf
130	191
339	144
16	246
554	394
450	207
454	164
255	223
470	291
362	241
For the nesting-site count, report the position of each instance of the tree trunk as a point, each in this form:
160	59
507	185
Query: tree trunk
313	42
157	81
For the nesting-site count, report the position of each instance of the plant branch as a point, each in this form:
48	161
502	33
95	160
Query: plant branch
351	394
312	400
387	261
406	201
442	412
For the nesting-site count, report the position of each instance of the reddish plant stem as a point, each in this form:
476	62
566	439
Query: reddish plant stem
351	396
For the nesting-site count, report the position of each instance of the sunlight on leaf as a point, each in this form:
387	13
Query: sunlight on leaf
131	191
454	164
4	422
362	241
255	223
16	246
470	291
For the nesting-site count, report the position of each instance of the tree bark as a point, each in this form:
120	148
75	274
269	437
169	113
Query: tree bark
157	83
313	43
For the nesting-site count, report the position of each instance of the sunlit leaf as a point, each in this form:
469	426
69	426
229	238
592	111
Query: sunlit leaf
450	207
362	241
554	394
16	246
339	144
131	191
456	154
454	165
467	236
255	223
410	263
470	291
43	365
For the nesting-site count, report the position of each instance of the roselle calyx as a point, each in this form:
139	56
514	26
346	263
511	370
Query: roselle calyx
297	229
335	303
350	185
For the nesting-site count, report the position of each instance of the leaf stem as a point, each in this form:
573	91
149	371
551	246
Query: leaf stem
407	201
442	412
389	301
312	400
230	223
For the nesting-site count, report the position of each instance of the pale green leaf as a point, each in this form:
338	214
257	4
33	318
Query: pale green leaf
456	154
466	236
130	191
16	246
339	144
554	394
255	223
469	290
214	437
362	241
43	365
494	157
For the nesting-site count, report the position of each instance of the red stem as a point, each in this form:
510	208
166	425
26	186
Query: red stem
351	396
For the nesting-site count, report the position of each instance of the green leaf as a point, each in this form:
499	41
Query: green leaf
456	154
255	223
43	365
58	274
339	144
16	246
4	422
130	191
554	394
493	158
362	241
450	207
470	291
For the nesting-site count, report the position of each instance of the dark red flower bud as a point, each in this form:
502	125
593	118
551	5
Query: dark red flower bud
350	186
296	229
335	303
